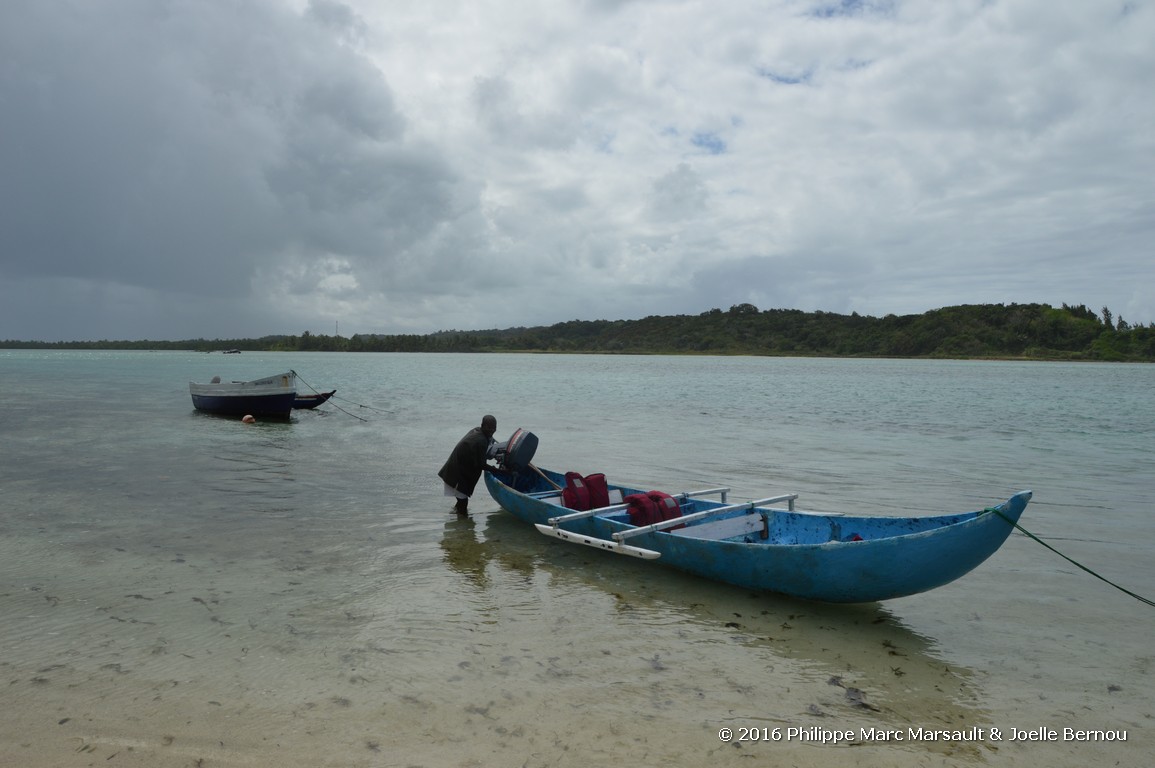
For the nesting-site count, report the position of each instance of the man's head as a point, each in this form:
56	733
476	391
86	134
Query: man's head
488	425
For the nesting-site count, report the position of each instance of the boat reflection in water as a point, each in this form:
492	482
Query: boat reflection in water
740	656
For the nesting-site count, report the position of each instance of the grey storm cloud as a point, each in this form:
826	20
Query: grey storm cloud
177	169
181	144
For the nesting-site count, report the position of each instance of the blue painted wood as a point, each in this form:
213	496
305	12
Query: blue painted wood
830	558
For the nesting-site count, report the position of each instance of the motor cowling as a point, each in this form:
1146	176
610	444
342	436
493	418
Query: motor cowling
517	452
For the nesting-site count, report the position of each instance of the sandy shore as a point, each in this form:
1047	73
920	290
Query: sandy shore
548	669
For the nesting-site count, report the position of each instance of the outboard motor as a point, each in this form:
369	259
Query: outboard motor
516	453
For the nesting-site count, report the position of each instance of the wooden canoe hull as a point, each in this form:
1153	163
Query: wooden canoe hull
829	558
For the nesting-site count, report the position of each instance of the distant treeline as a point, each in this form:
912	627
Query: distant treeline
1034	331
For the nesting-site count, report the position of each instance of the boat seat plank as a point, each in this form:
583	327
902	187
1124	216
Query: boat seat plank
728	528
707	513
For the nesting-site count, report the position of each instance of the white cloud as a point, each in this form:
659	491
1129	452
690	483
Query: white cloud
495	163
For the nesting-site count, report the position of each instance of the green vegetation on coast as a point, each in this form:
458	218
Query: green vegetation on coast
1027	331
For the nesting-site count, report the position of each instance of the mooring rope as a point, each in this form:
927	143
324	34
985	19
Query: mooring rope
1077	564
339	408
359	405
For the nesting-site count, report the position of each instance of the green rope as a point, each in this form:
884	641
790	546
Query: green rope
1124	590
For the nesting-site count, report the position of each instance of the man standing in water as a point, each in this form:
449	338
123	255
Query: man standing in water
463	468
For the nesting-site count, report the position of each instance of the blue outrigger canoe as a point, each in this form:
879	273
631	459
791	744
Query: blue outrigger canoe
769	545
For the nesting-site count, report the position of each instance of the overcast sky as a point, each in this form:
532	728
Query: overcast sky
176	169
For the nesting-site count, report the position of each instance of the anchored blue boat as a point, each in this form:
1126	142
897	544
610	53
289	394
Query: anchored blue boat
270	397
767	544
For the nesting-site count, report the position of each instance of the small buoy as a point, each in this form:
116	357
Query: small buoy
248	419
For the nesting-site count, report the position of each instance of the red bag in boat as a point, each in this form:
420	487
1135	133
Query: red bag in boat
575	495
666	505
642	509
599	490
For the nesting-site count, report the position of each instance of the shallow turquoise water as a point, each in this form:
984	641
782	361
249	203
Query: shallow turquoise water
280	579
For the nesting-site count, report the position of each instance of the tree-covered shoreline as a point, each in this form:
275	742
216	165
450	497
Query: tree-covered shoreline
986	331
